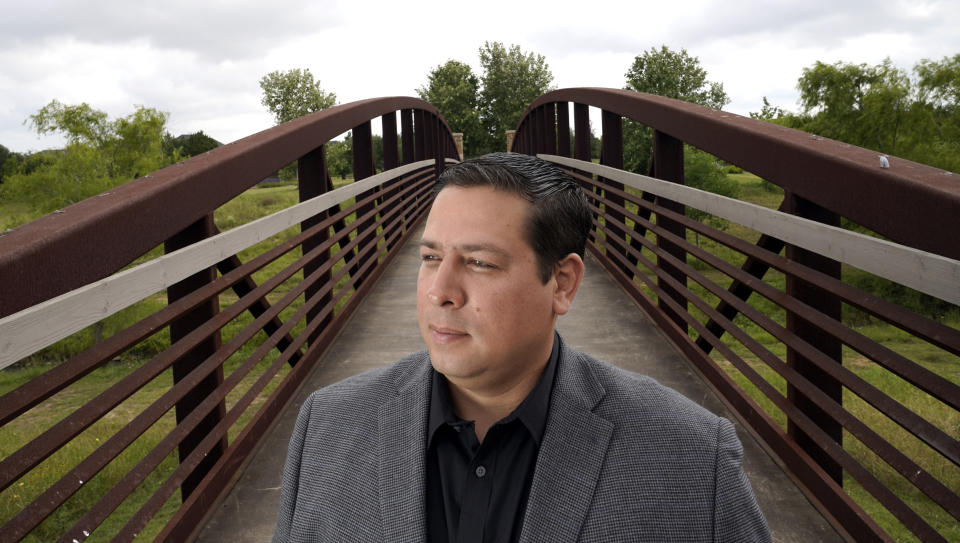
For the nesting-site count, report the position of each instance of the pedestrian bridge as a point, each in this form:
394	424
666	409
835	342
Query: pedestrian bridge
749	311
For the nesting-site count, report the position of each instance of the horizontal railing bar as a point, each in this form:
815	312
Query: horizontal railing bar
834	503
36	390
920	270
185	519
900	462
25	458
34	328
935	385
913	521
922	327
125	486
64	488
913	423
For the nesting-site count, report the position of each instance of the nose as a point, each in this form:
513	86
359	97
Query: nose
443	285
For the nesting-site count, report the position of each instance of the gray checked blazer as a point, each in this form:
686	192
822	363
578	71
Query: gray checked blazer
623	458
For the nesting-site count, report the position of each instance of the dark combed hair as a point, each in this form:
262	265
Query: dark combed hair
560	218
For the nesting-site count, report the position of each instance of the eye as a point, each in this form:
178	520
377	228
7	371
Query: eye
480	264
427	258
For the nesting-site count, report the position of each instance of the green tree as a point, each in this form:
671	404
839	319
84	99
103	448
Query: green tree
188	145
454	89
883	108
938	113
675	75
4	155
340	157
293	93
100	154
671	74
511	80
864	105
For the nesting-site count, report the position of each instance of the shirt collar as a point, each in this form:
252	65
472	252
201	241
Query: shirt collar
532	411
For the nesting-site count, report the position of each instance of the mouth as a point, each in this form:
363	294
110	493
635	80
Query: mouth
443	335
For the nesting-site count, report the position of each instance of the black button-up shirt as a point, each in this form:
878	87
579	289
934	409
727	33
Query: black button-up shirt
478	492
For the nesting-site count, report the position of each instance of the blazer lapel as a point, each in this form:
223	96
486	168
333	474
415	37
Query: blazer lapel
402	442
571	456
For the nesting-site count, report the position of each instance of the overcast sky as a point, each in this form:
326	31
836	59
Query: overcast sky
201	61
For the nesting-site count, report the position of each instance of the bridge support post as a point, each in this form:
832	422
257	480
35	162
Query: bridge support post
829	305
363	168
548	129
314	180
668	165
179	329
406	135
420	132
611	154
391	159
563	129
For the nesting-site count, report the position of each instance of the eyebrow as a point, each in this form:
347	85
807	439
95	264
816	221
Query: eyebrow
469	248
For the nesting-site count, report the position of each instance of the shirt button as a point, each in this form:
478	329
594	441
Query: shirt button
480	471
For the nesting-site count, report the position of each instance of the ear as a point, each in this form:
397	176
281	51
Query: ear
567	273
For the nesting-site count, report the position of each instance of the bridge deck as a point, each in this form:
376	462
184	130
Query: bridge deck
603	322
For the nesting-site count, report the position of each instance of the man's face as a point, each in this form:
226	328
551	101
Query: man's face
484	314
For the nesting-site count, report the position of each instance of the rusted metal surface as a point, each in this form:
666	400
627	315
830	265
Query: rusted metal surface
313	179
188	517
419	135
815	333
753	267
833	449
885	200
668	160
406	135
563	129
180	328
906	418
383	218
134	218
829	405
242	288
829	305
837	506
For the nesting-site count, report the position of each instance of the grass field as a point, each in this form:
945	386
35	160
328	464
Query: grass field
263	200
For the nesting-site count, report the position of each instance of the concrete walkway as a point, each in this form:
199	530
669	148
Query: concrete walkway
603	322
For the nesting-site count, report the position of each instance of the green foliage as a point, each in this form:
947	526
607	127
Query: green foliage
511	80
882	108
294	93
671	74
702	171
859	104
340	157
4	155
454	89
100	154
484	108
768	112
675	75
188	145
79	124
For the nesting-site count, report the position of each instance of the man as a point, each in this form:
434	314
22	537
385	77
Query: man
500	431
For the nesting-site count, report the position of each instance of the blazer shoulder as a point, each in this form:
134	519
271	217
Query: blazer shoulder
373	387
641	402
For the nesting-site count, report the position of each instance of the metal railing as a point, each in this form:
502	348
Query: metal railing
231	370
778	359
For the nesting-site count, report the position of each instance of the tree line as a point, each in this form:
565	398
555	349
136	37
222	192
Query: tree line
914	115
100	153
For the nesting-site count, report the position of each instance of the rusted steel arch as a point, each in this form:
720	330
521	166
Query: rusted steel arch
909	203
102	234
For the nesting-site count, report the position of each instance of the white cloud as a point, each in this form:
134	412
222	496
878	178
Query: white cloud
201	61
